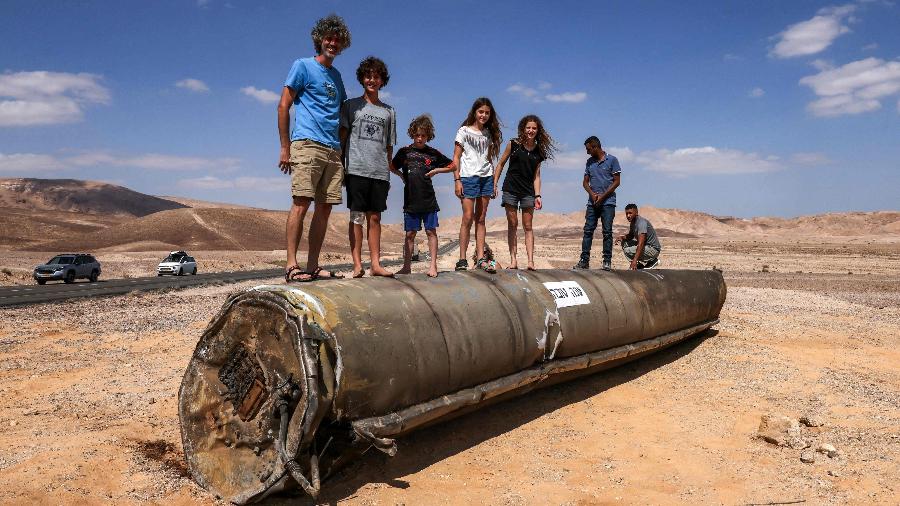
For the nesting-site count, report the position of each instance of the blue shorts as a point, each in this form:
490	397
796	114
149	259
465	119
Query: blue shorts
477	186
412	222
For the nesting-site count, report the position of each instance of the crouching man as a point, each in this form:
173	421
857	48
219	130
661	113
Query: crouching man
640	244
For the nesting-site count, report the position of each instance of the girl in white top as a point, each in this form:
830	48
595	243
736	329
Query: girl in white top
478	143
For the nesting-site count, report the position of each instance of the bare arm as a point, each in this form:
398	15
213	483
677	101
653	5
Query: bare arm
538	204
284	128
500	163
586	184
457	154
390	160
642	238
441	170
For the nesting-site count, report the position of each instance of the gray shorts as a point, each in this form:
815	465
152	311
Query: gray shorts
517	202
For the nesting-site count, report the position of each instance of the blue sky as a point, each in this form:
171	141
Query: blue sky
733	108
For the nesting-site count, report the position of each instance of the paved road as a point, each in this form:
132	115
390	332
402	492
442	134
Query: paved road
33	294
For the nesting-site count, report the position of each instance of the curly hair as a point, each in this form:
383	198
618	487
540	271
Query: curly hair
423	122
372	65
330	25
545	144
493	126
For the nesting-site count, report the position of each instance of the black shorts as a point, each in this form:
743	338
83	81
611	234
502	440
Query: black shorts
366	194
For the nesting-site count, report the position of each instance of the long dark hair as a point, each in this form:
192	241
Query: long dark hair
493	126
546	146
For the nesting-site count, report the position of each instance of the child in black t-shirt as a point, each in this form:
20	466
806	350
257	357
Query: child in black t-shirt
419	162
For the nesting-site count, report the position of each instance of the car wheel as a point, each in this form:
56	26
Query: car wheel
41	281
159	274
94	276
179	273
195	272
70	277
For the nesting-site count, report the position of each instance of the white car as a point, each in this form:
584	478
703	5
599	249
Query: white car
178	263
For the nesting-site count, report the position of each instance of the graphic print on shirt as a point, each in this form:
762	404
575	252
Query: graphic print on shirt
371	128
480	143
330	89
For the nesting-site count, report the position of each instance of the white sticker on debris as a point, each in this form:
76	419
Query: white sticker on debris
567	293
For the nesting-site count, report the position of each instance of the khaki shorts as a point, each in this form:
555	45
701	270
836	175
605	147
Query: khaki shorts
317	172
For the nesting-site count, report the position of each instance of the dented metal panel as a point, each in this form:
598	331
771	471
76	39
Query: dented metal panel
290	381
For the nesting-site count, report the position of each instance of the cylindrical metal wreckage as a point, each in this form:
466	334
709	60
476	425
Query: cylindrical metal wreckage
289	382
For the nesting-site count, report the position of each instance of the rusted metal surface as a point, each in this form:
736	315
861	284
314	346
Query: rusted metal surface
289	382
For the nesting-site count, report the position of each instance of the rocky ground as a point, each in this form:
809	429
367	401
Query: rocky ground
88	392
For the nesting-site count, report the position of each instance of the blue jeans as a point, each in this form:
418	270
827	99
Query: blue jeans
605	214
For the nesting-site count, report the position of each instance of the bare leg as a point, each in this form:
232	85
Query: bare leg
432	251
481	205
355	232
512	224
527	220
373	221
294	228
465	226
408	246
317	228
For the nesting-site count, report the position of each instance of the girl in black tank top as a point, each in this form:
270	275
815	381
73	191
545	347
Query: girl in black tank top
522	186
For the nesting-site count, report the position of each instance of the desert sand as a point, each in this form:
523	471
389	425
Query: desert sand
88	397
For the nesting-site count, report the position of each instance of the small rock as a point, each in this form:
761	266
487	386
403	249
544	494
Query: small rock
827	449
832	472
778	429
798	443
812	420
12	423
808	457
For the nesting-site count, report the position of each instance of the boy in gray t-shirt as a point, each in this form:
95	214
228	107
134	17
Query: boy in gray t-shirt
368	133
640	244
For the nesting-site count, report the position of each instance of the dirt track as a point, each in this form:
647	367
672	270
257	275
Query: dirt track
88	400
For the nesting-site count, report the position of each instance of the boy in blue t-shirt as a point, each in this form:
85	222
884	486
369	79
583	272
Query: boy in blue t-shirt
418	163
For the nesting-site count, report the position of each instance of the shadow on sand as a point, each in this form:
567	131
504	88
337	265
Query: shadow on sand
422	449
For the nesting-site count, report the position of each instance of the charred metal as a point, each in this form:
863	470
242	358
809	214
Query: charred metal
289	383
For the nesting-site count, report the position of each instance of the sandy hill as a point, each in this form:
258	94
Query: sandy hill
209	229
683	223
86	197
204	204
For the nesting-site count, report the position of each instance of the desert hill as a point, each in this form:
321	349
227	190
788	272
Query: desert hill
209	229
55	215
85	197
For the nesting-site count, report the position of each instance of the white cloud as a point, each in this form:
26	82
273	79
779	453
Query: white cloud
870	47
264	96
539	94
690	161
570	97
854	88
34	162
525	92
47	98
193	85
729	57
756	93
265	184
705	160
810	159
813	35
27	162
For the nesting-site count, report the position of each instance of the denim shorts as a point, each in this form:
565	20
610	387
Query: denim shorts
412	222
517	202
477	186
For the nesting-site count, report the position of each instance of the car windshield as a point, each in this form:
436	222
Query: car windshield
173	258
61	260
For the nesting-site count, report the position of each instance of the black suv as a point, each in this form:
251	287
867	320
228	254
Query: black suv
68	267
